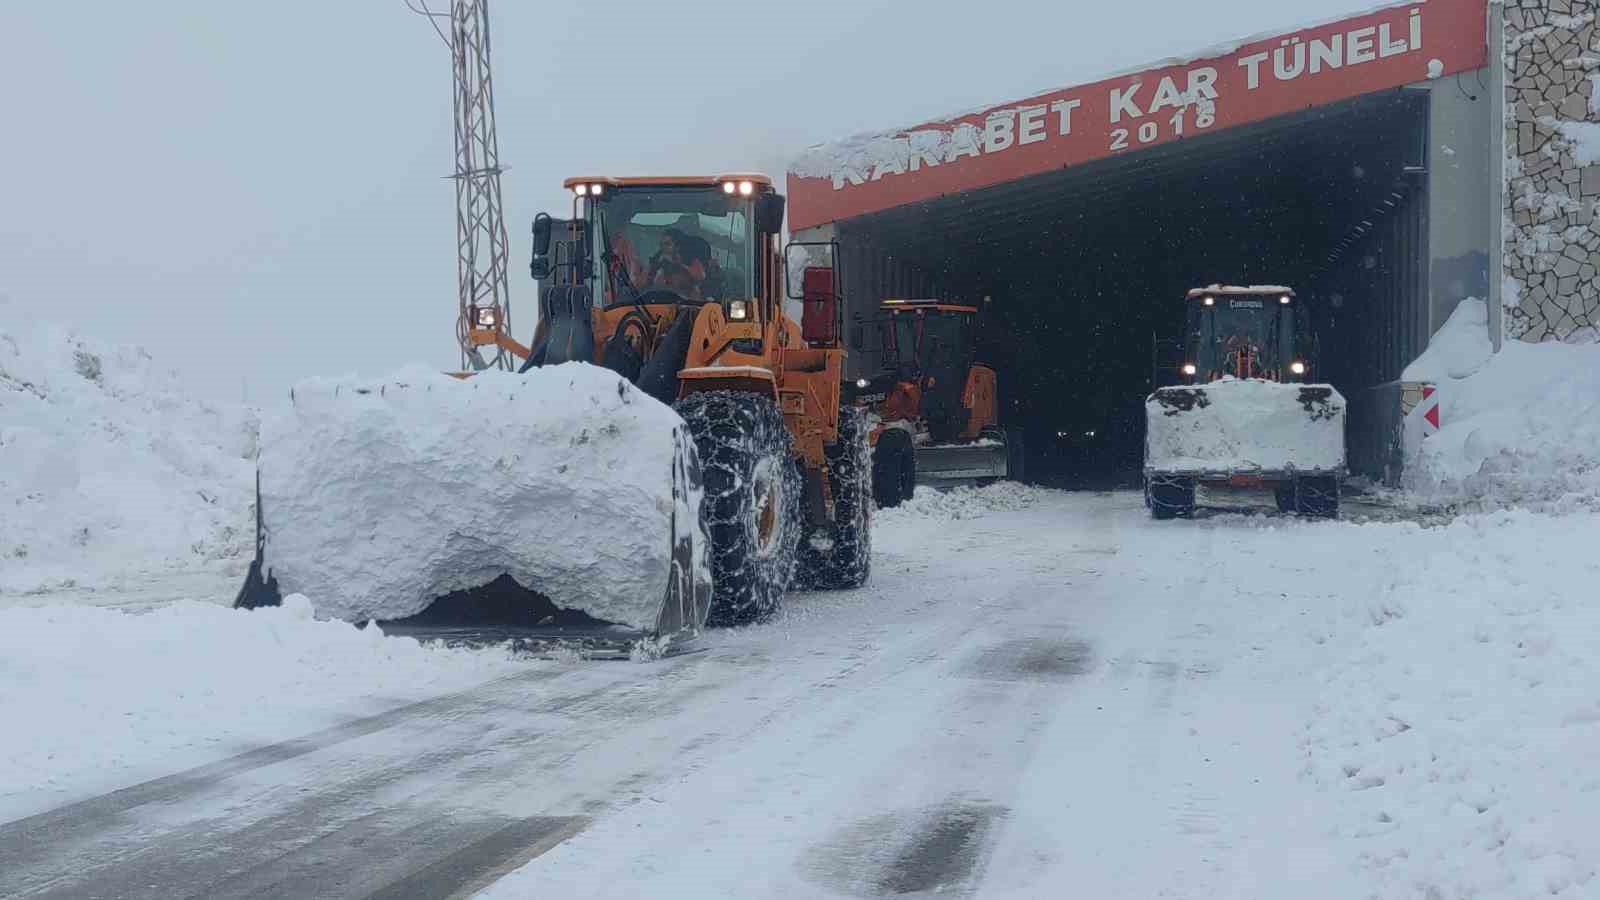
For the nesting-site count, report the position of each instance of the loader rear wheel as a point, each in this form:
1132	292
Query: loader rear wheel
1016	454
752	501
894	469
1284	494
1170	497
1317	497
838	555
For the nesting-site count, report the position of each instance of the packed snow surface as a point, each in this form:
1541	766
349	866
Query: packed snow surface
1240	426
98	698
1456	718
1522	429
109	469
380	495
963	502
1060	691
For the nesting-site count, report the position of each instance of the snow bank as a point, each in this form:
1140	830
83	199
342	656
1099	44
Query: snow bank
382	495
98	698
1243	426
1460	347
108	468
961	503
1524	428
1458	719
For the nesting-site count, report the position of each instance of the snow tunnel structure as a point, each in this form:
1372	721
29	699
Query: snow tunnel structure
1350	160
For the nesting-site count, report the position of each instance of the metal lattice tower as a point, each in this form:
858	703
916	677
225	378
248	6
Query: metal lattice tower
481	243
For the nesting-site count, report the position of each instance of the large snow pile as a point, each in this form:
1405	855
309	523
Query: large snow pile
1458	719
964	502
381	495
1522	429
95	698
1237	425
1459	348
109	469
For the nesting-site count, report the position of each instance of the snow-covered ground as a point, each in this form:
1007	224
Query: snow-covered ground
1038	692
112	478
102	698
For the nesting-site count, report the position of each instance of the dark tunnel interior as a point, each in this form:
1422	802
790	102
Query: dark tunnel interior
1078	270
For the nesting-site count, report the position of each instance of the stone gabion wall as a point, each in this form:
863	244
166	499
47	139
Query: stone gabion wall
1552	235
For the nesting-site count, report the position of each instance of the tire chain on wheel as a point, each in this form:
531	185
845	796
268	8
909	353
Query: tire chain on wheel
735	432
1170	497
845	558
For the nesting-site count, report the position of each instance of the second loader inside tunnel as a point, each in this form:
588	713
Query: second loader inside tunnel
674	452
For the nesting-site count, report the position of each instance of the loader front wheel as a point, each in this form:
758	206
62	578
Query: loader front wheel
1170	497
752	501
1317	497
838	555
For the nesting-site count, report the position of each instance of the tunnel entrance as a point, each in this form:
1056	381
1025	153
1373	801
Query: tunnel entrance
1348	160
1082	272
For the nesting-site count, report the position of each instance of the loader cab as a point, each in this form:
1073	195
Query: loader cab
1247	333
670	242
927	337
929	350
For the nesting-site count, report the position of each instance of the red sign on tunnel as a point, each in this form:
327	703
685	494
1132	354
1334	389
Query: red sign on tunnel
1261	79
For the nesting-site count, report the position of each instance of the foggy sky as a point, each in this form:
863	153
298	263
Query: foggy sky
255	192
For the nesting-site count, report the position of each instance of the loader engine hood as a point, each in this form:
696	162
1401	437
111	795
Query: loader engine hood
1232	427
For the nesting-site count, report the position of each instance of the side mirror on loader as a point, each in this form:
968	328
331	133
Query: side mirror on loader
769	213
539	266
819	317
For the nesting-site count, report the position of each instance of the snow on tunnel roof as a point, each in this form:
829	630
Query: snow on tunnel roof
1233	84
1234	289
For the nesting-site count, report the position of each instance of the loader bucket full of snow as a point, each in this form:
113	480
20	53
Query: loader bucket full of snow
1245	428
561	505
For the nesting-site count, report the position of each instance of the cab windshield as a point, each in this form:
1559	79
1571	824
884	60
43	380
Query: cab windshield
1245	337
694	243
927	340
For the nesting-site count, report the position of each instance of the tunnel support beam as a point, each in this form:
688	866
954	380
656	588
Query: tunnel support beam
1496	115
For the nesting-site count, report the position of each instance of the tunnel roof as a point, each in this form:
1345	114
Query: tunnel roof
1257	79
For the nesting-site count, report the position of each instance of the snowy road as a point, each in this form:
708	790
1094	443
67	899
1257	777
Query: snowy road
1063	696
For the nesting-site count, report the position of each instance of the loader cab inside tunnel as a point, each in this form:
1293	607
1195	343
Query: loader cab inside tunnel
1082	274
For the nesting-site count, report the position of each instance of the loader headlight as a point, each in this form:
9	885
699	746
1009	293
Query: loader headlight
746	188
1297	367
738	310
486	317
1210	301
861	383
582	190
729	187
1284	299
1189	369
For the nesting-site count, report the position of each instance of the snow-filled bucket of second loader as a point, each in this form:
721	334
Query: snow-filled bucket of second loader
379	499
1245	433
